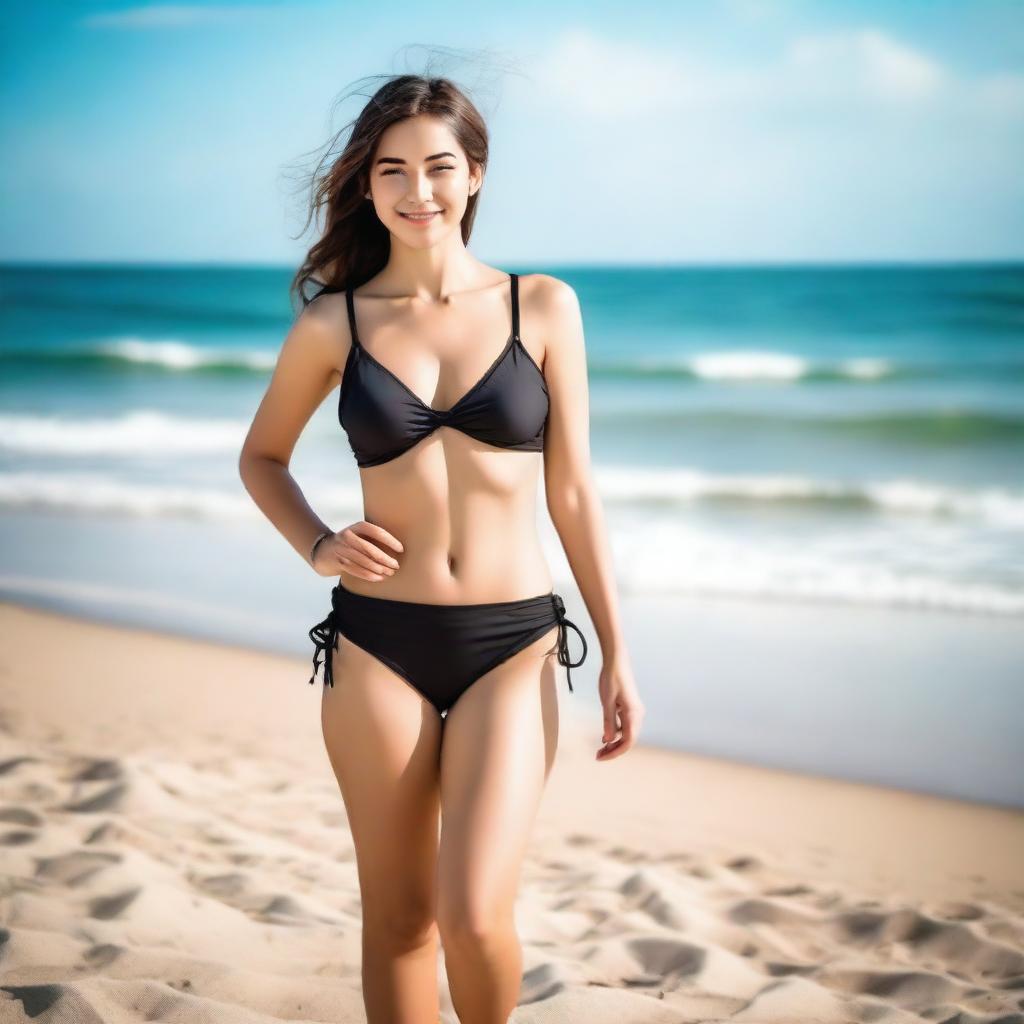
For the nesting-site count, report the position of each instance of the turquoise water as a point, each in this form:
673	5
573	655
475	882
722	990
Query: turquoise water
786	434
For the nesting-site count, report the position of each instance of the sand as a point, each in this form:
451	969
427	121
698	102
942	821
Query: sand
175	849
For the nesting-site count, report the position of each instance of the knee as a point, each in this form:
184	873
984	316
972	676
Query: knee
400	928
473	923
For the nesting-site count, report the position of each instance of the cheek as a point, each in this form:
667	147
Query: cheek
452	195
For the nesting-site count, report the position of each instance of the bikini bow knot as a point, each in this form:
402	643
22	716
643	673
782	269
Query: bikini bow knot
563	640
325	636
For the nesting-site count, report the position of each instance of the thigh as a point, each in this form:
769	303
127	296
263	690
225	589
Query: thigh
497	751
383	741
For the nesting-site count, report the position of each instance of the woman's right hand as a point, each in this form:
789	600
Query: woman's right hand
354	550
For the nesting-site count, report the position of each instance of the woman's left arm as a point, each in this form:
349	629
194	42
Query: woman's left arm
575	506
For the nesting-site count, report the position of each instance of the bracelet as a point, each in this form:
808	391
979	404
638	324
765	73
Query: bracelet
312	550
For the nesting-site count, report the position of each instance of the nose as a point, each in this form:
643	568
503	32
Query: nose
419	188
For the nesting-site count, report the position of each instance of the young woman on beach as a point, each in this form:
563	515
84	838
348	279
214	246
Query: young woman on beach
457	383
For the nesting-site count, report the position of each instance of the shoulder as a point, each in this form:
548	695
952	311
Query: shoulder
321	330
546	292
326	312
552	305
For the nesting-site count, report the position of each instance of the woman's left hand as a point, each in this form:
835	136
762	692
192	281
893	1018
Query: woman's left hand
623	709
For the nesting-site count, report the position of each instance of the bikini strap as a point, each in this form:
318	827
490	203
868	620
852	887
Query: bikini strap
324	289
350	302
515	305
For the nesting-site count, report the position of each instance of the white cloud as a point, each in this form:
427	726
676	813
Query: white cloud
864	61
816	72
609	78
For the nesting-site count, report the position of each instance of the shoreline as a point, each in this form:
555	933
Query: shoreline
579	733
847	693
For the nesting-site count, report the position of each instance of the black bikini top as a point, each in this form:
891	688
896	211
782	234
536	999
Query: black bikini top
507	407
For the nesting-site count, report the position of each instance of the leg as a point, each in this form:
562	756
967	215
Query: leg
499	745
383	743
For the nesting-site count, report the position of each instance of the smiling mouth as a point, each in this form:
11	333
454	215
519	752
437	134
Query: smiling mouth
421	216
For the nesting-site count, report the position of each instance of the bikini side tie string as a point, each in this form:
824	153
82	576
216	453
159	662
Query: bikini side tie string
563	640
325	636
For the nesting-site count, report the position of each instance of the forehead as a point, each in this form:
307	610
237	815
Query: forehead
417	138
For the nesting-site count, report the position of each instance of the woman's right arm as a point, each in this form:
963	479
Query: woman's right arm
305	373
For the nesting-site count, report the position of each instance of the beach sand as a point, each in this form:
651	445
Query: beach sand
175	848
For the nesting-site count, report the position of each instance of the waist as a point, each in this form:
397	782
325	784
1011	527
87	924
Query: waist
441	574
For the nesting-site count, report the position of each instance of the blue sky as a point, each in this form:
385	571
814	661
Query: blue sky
715	132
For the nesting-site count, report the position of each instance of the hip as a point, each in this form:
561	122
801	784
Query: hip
423	640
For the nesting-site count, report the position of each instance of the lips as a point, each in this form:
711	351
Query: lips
426	215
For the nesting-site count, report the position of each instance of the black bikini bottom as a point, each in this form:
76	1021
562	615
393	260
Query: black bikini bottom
440	649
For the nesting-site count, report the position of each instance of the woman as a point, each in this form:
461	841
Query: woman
443	618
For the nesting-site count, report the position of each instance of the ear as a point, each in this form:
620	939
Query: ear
476	177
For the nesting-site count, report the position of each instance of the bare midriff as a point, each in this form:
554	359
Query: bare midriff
466	515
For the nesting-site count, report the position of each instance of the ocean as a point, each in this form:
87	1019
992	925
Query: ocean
826	435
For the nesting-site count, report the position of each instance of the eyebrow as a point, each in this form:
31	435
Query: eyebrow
399	160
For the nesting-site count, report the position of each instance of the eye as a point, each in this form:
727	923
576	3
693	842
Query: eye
398	170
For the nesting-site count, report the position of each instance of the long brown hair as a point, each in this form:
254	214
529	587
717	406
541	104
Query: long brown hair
355	244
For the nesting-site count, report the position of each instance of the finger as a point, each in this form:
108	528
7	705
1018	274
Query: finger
358	557
380	534
627	740
611	726
352	569
372	552
381	556
616	744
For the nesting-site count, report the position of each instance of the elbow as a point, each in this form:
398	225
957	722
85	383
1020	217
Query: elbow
247	460
568	498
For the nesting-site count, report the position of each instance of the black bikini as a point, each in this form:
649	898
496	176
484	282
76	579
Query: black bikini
441	649
506	408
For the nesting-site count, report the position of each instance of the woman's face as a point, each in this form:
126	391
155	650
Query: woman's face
419	167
